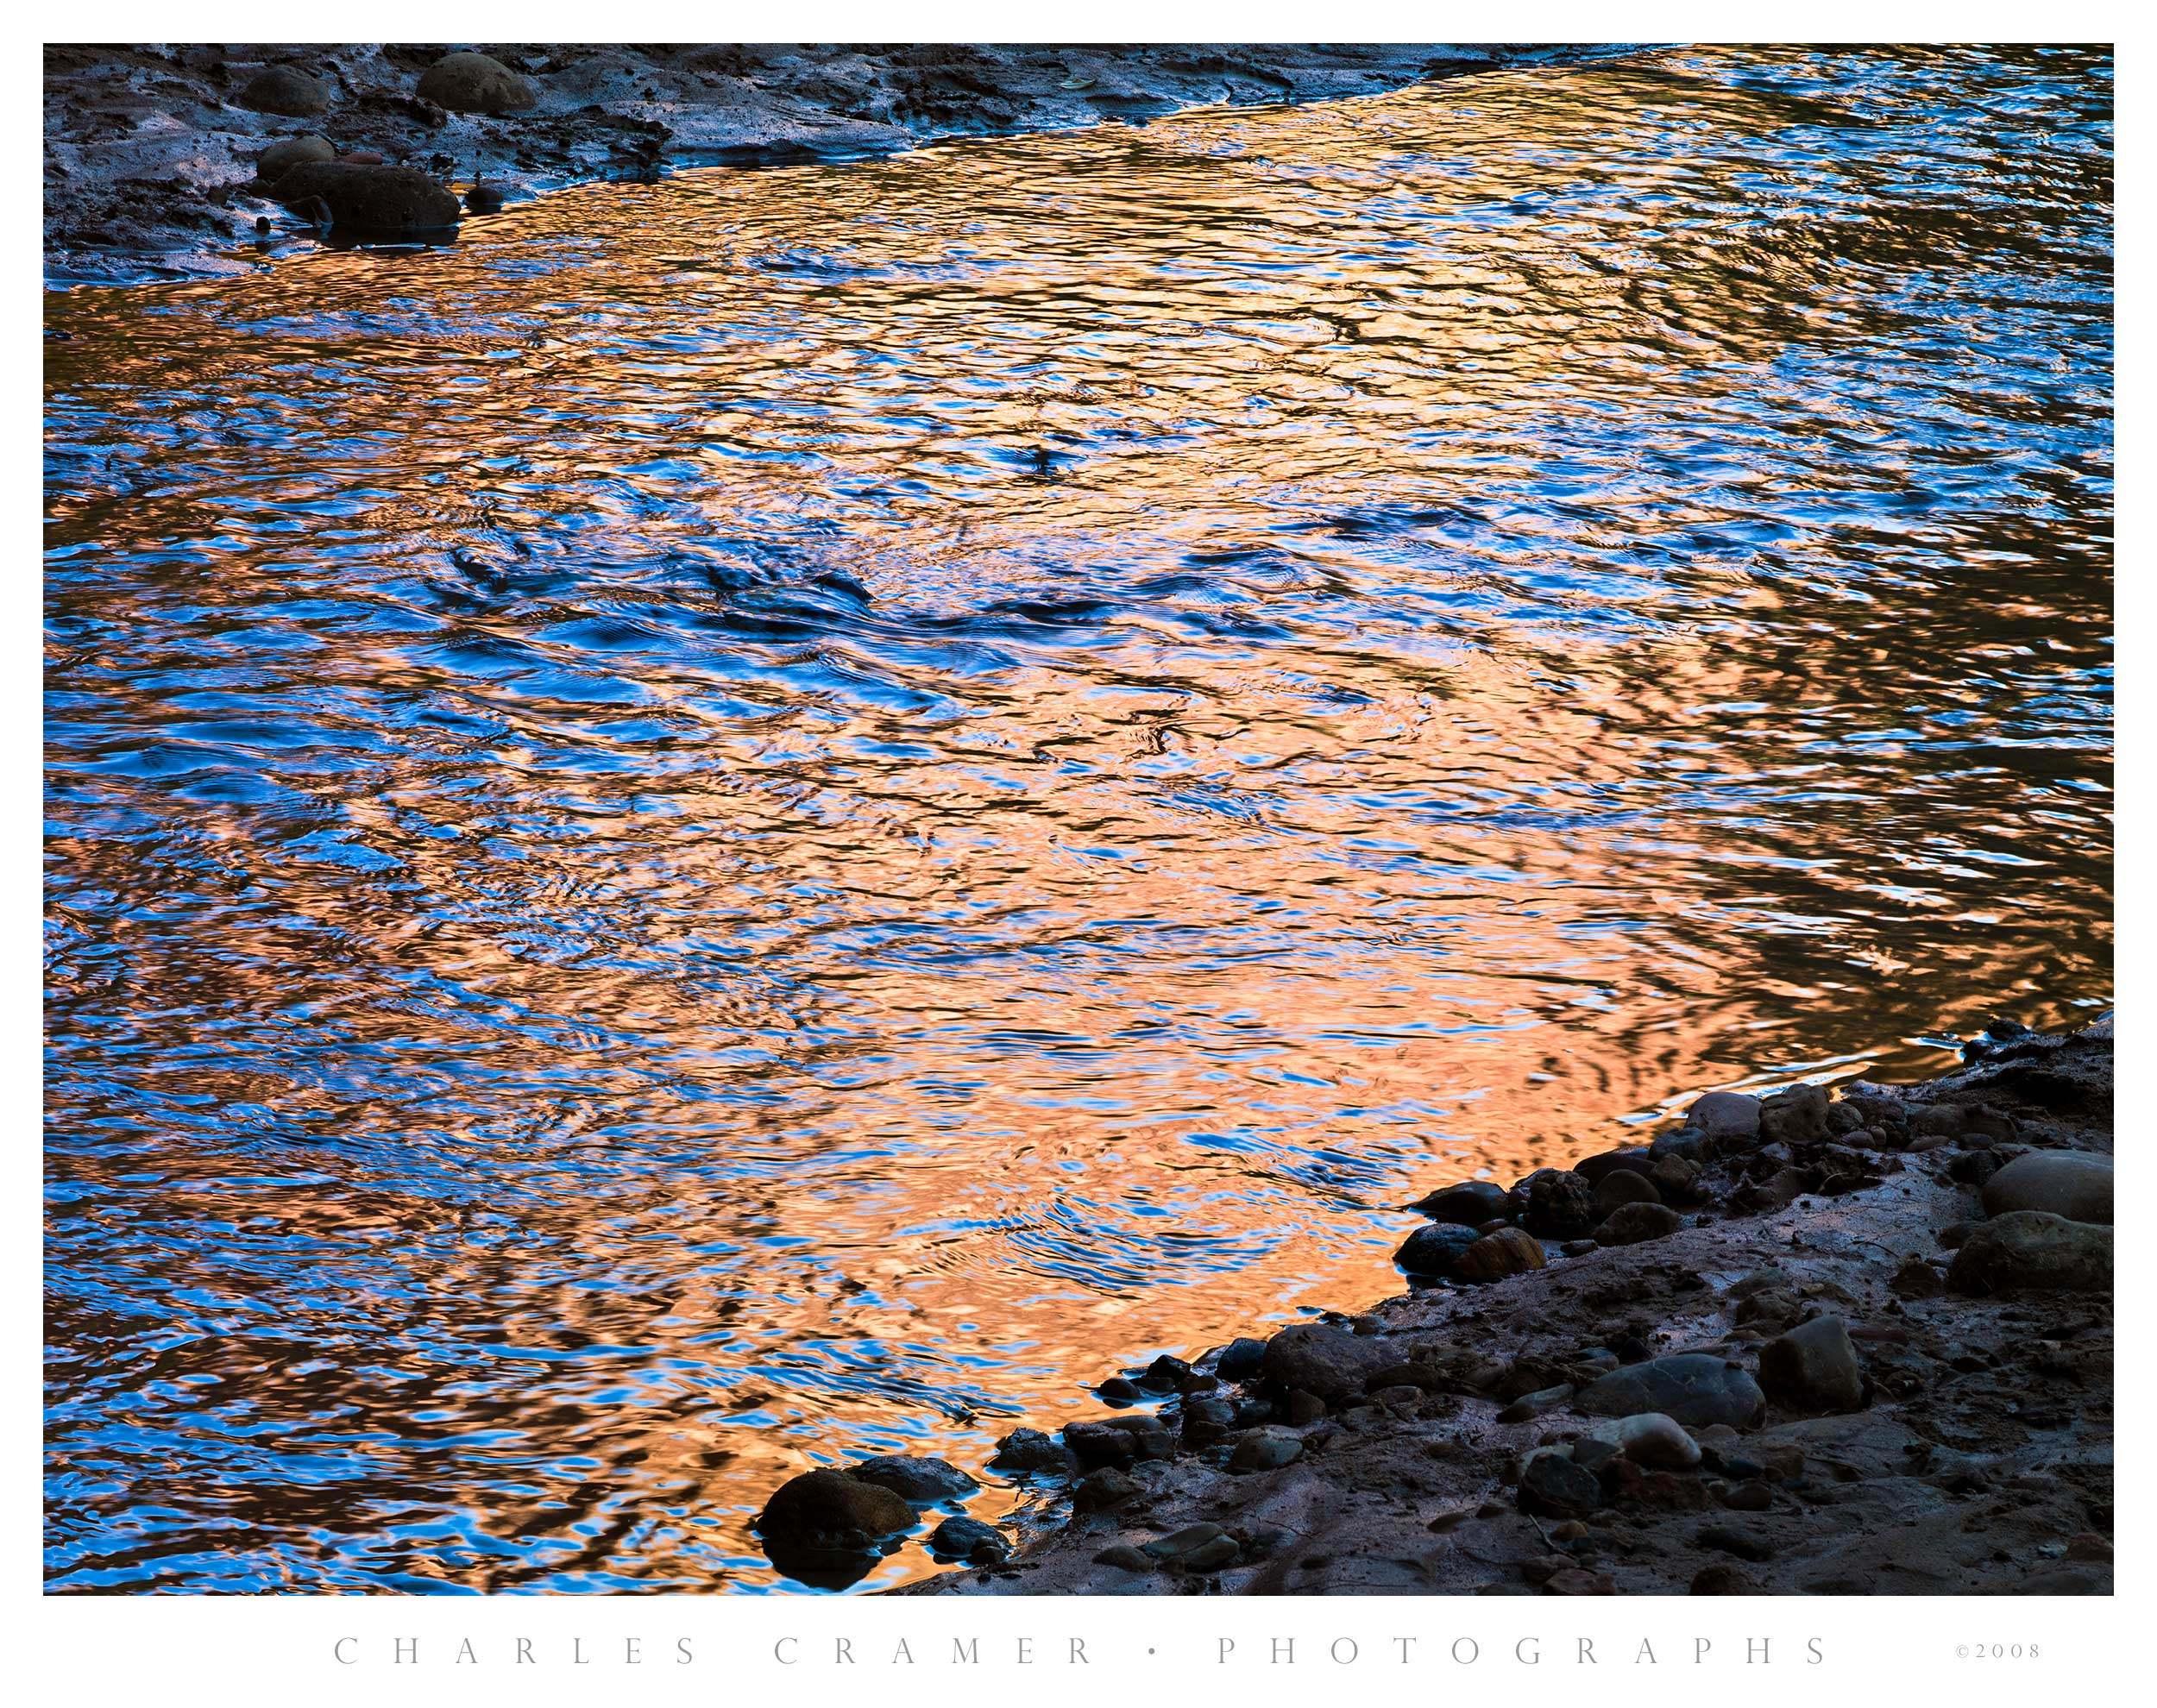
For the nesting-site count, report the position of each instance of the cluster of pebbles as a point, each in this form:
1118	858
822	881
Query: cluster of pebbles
1813	1343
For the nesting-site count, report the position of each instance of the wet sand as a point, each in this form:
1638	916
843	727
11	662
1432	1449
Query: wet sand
150	151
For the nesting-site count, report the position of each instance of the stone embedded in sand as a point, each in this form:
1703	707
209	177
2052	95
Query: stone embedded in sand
1692	1388
472	83
379	200
1658	1442
1554	1203
921	1481
286	91
1196	1547
2076	1184
1552	1486
1624	1186
1814	1368
1471	1203
1435	1249
1724	1580
1103	1488
1494	1257
1634	1224
1323	1361
1266	1448
280	157
2036	1250
829	1510
1726	1115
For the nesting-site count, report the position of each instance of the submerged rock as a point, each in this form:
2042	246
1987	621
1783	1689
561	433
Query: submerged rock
472	83
921	1481
831	1510
2076	1184
286	91
1814	1368
2032	1249
1691	1388
378	200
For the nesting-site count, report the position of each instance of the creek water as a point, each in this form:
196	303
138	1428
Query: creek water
796	813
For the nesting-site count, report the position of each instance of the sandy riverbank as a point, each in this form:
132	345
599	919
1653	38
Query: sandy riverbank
1894	1380
151	151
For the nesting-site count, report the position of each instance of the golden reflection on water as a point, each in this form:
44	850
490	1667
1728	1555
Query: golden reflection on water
796	812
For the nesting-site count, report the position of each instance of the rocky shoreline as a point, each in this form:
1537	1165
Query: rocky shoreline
1849	1343
172	160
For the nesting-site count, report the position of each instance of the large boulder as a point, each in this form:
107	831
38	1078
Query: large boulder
371	200
1328	1362
286	91
1695	1389
2035	1250
472	83
2073	1183
1814	1368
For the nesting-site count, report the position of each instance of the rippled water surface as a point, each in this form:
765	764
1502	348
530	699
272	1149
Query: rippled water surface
797	812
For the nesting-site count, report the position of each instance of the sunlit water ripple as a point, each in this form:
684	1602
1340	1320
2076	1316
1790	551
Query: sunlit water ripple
796	812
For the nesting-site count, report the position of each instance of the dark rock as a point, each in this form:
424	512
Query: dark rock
1267	1448
921	1481
1694	1388
1552	1486
472	83
1124	1557
1322	1361
1554	1203
379	200
1578	1580
1677	1180
1535	1404
1240	1361
1726	1116
1814	1368
831	1510
1622	1186
2032	1249
1303	1408
286	91
1028	1452
1725	1580
1774	1307
1635	1224
1434	1250
1468	1204
1593	1169
1196	1547
1974	1168
971	1540
1729	1539
1915	1278
1098	1443
2075	1184
1687	1144
1751	1496
279	158
1119	1390
1494	1257
1164	1375
1207	1420
1103	1488
1797	1116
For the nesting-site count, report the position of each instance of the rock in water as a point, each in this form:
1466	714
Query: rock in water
1494	1257
2032	1249
1555	1204
1814	1368
1632	1224
1327	1362
1240	1359
371	200
922	1481
829	1510
1692	1388
281	158
971	1540
1470	1204
1726	1116
2075	1184
284	91
1593	1169
1434	1250
472	83
1028	1452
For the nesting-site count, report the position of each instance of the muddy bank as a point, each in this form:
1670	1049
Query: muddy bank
151	151
1857	1344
